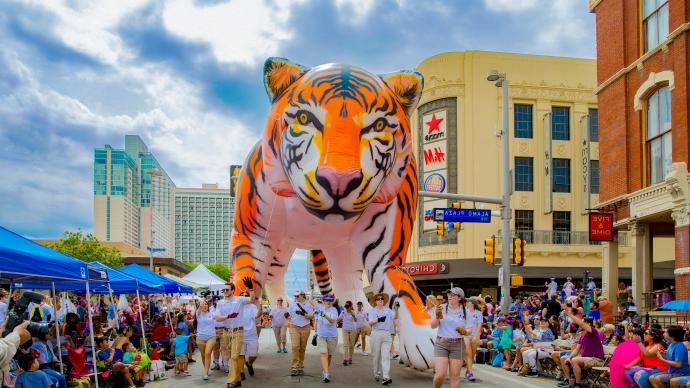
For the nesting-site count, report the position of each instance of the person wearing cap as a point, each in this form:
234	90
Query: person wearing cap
279	315
327	332
453	321
382	327
229	311
472	339
301	314
349	319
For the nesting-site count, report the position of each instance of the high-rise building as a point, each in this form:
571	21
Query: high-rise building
642	89
203	224
132	197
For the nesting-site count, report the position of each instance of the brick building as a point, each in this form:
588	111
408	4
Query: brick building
642	76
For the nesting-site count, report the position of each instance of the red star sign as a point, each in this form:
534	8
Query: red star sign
434	123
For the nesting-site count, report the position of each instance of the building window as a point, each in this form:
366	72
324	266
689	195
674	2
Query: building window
593	125
524	224
523	121
561	175
655	22
561	227
659	134
594	177
560	123
524	171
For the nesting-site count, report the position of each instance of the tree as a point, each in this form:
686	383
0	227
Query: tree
87	248
221	270
190	264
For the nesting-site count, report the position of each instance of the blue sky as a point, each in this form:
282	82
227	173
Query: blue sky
186	76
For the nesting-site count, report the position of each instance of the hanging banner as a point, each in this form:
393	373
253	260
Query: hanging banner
600	227
435	128
548	178
586	173
434	156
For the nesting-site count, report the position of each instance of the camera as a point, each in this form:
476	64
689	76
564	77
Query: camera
15	317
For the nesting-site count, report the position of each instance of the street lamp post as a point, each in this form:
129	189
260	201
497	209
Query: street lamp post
506	214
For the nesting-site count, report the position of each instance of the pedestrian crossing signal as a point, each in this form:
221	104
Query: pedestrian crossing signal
489	249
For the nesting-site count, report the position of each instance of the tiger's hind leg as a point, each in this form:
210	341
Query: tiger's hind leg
383	240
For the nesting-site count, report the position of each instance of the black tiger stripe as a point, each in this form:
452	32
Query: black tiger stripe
407	354
250	267
321	273
405	294
277	265
320	262
423	358
271	142
378	263
371	246
376	216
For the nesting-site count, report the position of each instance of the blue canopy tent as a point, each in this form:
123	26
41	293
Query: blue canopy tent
23	259
146	276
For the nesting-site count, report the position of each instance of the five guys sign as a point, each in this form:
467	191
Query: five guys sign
600	227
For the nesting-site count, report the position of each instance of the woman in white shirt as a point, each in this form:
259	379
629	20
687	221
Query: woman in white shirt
327	331
453	321
472	340
205	334
382	327
349	332
279	315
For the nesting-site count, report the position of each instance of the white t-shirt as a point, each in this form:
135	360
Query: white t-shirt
349	322
361	318
300	320
453	319
387	324
278	316
323	327
205	324
3	312
249	324
225	307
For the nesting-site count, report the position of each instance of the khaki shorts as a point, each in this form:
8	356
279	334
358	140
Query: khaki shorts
591	362
452	350
181	359
327	344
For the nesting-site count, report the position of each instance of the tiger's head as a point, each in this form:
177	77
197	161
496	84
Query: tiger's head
338	137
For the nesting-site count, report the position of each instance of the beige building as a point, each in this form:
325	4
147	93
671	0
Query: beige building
203	224
552	111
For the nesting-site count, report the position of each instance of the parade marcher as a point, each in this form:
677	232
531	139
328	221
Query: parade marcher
472	340
279	315
229	311
552	287
250	341
349	332
327	332
301	314
206	334
453	322
363	327
382	327
568	287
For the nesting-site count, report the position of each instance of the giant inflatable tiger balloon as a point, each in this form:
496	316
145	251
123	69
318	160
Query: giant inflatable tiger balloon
335	173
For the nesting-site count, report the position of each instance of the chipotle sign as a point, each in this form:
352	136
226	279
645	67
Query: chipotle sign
427	268
600	227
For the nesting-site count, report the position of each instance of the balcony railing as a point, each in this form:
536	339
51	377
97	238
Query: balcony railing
560	237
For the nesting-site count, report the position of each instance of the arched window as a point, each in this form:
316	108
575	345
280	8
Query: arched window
659	134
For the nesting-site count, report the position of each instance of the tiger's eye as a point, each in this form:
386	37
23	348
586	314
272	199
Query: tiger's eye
379	125
303	118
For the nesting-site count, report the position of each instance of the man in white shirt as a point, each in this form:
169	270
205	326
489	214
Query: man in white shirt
250	340
301	314
229	311
279	315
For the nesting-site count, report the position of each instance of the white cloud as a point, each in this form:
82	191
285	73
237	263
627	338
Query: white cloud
564	25
85	25
509	5
356	11
238	32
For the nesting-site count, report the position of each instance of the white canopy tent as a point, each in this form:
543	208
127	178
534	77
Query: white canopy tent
202	275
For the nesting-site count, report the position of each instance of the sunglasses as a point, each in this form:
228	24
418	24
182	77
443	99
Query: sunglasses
378	299
228	289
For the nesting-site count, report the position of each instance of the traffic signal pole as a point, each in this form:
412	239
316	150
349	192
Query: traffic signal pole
503	201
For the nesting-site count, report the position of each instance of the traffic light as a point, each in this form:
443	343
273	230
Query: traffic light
519	253
516	281
489	245
441	228
157	269
456	205
457	225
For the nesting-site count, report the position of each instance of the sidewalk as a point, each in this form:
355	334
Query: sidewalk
273	369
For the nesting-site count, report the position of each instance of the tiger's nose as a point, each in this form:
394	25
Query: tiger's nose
338	184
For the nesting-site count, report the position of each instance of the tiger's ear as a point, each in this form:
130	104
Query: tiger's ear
407	85
279	73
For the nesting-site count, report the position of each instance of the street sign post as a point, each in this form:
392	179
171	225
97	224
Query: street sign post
462	215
